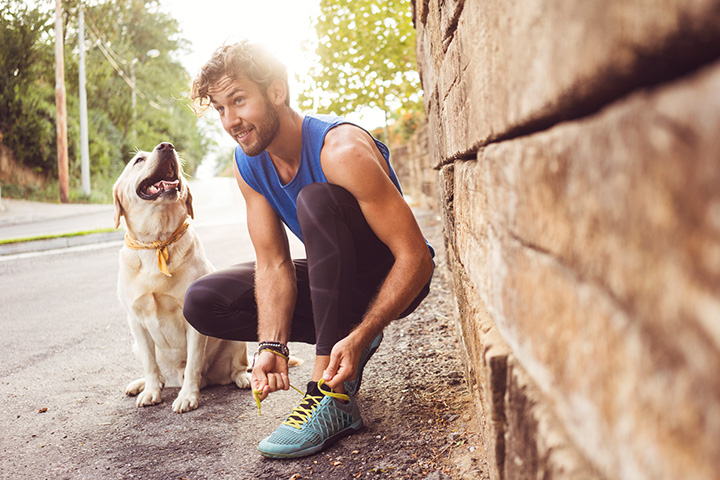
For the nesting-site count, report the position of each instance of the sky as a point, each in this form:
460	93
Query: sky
281	25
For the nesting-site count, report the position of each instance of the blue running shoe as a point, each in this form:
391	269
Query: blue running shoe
353	386
319	420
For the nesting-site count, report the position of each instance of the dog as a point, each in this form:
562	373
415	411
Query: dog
161	257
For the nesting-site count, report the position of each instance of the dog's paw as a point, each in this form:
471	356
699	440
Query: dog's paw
242	379
149	397
186	402
135	387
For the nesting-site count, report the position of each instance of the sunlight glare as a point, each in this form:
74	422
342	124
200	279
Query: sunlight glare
282	26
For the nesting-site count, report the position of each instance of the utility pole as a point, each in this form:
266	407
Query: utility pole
84	149
62	146
133	100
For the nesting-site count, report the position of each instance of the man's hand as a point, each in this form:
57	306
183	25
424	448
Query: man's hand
269	374
344	360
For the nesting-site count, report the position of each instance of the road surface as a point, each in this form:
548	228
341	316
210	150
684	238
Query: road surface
67	357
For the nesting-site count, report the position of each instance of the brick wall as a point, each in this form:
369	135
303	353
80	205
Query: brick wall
577	151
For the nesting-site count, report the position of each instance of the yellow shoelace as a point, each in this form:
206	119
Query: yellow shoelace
256	393
256	396
301	411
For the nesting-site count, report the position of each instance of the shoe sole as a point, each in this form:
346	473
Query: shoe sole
355	427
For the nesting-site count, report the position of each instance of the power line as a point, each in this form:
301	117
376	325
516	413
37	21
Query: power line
108	53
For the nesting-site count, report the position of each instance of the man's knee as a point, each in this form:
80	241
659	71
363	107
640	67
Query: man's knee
316	198
197	305
220	297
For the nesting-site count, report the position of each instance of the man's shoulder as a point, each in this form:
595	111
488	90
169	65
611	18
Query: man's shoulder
324	119
320	133
345	134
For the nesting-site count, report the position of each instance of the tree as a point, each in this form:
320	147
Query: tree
140	45
367	58
116	51
27	92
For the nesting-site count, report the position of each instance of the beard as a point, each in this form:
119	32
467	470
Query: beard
264	131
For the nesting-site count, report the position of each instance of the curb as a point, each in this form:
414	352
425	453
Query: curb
59	243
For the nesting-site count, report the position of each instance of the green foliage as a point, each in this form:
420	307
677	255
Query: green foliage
125	52
402	129
27	95
11	241
367	58
141	43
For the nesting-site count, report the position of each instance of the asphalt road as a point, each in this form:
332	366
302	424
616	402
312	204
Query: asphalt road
67	357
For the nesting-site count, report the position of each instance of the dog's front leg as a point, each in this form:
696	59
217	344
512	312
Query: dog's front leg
147	389
189	395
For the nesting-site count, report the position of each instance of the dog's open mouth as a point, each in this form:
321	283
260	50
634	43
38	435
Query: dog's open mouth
164	179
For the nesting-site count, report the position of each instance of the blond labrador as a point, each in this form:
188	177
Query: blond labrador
161	257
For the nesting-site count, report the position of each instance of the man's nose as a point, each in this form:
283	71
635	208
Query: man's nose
231	118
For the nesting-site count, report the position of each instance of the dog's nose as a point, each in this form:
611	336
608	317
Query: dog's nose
165	145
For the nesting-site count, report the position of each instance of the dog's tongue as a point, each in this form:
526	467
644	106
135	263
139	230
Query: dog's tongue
162	185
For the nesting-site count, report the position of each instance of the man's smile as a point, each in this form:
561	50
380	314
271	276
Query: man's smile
242	135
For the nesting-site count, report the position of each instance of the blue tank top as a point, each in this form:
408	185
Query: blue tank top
259	172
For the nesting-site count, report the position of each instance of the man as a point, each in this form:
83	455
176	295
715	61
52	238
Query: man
367	262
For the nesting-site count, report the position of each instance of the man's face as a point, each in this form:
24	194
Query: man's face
245	112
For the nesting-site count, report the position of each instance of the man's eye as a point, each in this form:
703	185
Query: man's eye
239	100
138	160
220	110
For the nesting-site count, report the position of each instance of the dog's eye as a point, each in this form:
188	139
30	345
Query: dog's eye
138	160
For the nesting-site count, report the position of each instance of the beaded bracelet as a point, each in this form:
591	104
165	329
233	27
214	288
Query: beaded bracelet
275	346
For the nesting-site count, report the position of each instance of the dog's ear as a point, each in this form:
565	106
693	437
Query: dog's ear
188	204
119	211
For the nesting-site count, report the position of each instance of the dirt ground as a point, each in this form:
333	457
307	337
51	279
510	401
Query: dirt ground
65	415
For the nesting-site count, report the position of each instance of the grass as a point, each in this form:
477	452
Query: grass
100	192
50	237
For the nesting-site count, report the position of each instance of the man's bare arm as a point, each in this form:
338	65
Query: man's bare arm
351	159
275	287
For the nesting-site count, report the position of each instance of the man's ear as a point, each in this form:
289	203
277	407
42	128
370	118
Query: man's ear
277	92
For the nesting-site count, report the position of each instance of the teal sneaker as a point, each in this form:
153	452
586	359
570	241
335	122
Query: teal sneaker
319	421
352	386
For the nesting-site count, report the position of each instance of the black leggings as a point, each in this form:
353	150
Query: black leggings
345	267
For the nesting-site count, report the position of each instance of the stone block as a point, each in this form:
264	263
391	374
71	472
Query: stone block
510	68
593	247
445	193
536	445
521	433
413	166
486	358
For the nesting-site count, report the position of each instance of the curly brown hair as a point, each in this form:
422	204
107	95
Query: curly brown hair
242	58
